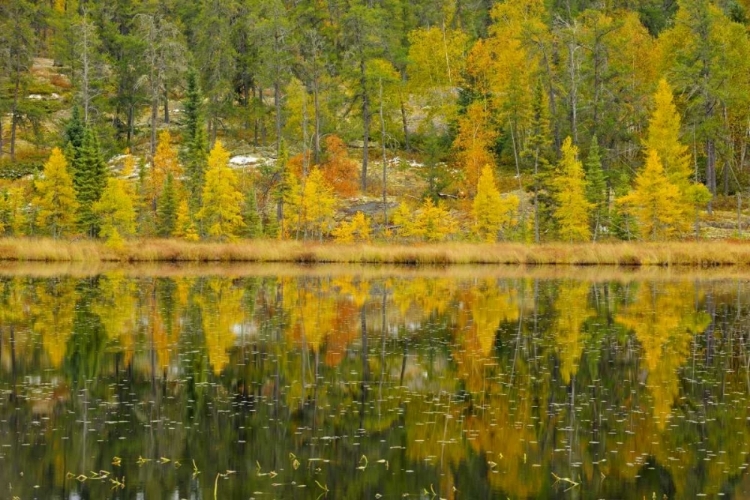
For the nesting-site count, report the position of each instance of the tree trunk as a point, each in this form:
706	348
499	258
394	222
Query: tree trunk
154	117
711	170
316	139
131	123
2	143
382	140
166	106
14	117
365	124
277	104
405	125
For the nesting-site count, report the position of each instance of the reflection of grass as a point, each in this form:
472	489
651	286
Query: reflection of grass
674	254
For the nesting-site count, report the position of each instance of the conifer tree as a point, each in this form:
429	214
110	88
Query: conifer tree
251	215
655	201
536	150
166	210
664	139
195	141
89	180
221	212
115	212
165	164
56	198
572	210
596	186
358	229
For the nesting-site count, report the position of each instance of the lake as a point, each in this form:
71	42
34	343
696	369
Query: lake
166	382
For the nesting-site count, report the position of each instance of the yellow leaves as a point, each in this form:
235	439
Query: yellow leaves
56	198
115	208
664	136
655	202
222	201
165	163
572	311
430	222
358	229
492	213
310	207
573	210
474	142
221	312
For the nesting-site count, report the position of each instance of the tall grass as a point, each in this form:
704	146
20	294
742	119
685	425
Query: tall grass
672	254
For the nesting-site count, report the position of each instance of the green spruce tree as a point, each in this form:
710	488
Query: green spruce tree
196	141
253	223
89	180
596	187
166	210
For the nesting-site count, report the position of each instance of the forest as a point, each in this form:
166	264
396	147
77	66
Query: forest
374	120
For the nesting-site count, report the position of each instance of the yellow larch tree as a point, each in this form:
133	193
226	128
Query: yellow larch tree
310	206
572	210
430	222
165	162
116	212
357	229
474	142
221	212
655	201
664	139
492	212
185	226
55	196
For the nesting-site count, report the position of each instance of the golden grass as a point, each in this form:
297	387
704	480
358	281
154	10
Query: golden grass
672	254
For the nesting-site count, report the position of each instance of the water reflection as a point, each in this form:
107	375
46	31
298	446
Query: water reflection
349	385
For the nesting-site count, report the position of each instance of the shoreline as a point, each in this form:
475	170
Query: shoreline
713	253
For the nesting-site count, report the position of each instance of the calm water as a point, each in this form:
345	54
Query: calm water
353	383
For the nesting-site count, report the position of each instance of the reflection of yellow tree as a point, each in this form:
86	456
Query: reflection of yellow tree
664	320
116	308
14	317
485	306
53	312
312	311
572	311
427	295
222	310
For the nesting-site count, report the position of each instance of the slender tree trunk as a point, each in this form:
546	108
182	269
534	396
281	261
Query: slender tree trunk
14	117
405	125
277	104
166	106
382	140
573	93
154	117
256	132
536	197
131	123
2	142
711	171
316	106
365	124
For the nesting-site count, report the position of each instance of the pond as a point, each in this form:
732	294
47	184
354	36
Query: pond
336	382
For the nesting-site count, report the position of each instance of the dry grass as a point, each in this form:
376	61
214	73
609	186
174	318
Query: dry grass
673	254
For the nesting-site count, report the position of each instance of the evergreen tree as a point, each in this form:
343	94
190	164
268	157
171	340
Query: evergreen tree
251	215
596	186
89	180
195	141
572	210
56	198
166	210
537	151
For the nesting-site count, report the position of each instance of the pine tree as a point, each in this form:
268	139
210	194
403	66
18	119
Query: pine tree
115	211
572	210
166	210
196	141
221	212
596	186
89	180
537	150
251	215
656	202
491	211
56	198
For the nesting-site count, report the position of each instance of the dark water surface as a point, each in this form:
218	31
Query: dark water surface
357	383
